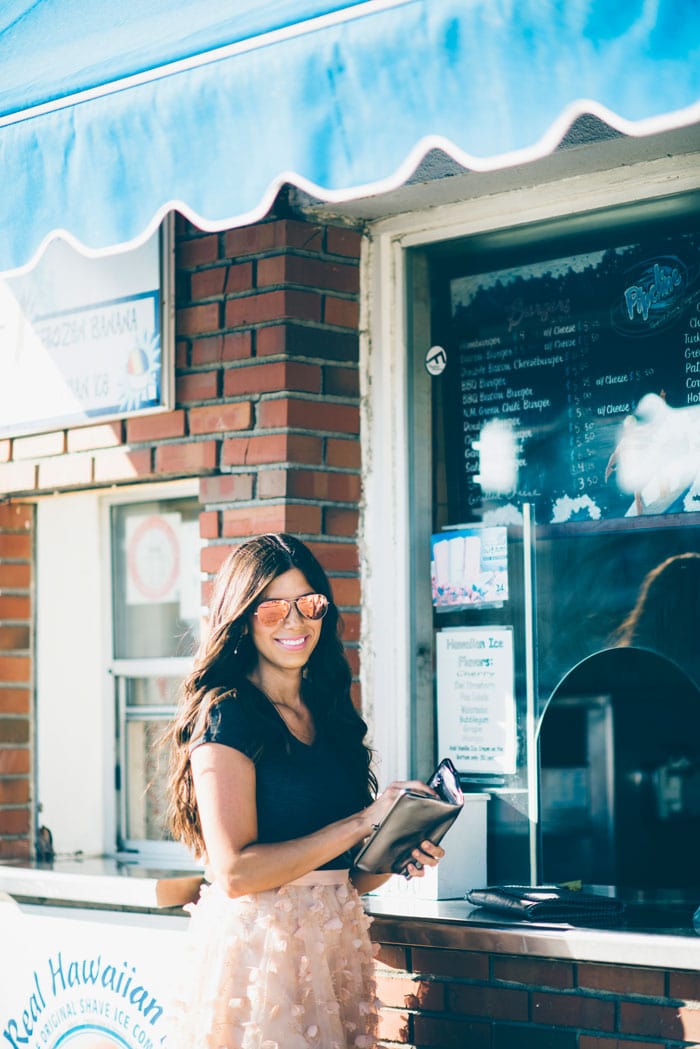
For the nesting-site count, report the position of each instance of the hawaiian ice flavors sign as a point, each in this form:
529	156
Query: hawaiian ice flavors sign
469	567
476	699
86	985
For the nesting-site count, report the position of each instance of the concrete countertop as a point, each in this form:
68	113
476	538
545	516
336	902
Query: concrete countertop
655	935
657	932
99	881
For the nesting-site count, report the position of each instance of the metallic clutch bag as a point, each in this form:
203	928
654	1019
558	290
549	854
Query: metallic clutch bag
414	817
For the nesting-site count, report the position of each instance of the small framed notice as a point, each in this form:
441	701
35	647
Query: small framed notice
469	567
476	699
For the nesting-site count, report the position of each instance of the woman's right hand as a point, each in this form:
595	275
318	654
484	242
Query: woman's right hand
376	812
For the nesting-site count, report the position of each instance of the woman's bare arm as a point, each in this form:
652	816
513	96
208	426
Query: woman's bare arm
224	781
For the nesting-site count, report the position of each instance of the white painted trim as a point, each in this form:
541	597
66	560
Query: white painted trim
175	667
146	492
72	722
386	681
167	306
648	180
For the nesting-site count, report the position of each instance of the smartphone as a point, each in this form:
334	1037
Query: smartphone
445	781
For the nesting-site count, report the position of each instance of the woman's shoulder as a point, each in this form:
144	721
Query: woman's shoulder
232	719
224	706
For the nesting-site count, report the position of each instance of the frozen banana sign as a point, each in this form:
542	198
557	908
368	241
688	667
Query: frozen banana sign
86	986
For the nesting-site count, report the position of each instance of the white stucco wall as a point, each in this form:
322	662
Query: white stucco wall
74	718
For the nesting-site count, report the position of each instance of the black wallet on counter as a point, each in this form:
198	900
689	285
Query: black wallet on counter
547	903
414	817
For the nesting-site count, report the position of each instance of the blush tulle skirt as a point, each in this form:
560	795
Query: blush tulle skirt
289	968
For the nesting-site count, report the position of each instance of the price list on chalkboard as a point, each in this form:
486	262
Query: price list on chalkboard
579	385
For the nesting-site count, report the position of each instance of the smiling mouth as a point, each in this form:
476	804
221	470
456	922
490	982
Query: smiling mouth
293	644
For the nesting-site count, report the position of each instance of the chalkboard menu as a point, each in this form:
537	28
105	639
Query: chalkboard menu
579	385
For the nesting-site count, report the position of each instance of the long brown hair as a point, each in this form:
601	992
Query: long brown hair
226	655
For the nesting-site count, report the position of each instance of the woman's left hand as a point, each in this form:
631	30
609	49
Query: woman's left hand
426	855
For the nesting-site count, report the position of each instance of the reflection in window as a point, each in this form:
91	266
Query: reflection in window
666	614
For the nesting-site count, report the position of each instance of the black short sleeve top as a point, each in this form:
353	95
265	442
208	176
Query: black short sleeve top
299	787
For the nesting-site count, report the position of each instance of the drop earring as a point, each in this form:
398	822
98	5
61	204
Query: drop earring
239	642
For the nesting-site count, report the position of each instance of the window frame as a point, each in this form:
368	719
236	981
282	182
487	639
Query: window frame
394	327
120	670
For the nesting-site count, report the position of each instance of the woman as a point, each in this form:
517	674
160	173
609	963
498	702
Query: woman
271	785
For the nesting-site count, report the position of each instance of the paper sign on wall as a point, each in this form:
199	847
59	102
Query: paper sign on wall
153	559
476	699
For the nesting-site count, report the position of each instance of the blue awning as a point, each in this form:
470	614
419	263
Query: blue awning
111	114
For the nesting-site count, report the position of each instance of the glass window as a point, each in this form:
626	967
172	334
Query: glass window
566	438
156	611
156	578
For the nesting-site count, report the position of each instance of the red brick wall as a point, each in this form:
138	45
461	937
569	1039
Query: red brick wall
16	621
266	414
460	999
267	357
267	322
266	380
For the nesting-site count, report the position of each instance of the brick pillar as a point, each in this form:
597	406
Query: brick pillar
267	359
16	678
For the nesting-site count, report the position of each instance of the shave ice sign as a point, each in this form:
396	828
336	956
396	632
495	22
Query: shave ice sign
84	984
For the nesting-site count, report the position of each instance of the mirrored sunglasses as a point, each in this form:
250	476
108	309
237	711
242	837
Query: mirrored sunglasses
309	606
